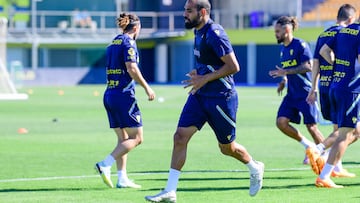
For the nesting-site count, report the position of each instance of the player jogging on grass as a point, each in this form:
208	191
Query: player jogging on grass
124	116
212	99
295	58
344	94
322	71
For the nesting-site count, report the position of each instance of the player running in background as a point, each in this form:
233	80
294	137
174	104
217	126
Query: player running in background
322	71
295	58
212	99
124	116
344	94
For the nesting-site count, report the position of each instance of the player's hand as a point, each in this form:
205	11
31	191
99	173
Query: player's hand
280	88
196	81
279	72
311	98
151	94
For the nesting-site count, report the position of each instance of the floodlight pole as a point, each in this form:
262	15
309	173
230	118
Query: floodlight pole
35	44
3	33
119	9
299	9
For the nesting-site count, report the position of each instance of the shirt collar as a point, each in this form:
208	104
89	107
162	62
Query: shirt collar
205	27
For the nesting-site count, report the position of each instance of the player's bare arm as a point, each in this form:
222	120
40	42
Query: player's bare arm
231	66
302	68
281	72
135	74
281	86
327	53
311	98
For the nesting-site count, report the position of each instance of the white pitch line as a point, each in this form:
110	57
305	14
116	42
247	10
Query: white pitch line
153	173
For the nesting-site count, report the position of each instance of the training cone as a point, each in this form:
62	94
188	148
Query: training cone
96	93
22	131
30	91
61	92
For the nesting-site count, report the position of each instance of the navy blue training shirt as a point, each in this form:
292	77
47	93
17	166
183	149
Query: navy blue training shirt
122	49
346	46
325	69
291	56
211	43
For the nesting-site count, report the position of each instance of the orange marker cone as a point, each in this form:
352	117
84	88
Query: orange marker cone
61	92
30	91
22	131
96	93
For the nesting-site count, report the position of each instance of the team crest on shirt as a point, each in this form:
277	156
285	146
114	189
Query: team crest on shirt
291	52
281	54
217	32
131	52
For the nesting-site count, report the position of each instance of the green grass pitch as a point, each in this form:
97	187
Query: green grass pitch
54	161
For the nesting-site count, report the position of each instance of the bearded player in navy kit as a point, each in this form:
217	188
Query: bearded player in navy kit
212	99
295	61
124	116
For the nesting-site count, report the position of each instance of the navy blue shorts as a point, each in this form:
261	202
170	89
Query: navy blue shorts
219	112
326	110
291	109
122	110
346	105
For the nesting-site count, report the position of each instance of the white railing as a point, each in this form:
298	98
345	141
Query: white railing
52	21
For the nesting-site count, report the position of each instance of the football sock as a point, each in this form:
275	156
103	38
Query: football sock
173	180
122	174
306	143
326	172
325	154
338	166
320	147
109	160
253	166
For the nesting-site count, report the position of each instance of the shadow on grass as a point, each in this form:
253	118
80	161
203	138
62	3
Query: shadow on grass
224	178
222	187
350	163
9	190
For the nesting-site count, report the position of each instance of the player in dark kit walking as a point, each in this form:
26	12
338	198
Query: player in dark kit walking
322	73
124	116
212	99
344	95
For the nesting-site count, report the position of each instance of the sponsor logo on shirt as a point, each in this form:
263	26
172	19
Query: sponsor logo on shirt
289	63
349	31
328	34
117	42
114	71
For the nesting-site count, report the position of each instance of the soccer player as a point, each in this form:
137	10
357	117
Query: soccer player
212	99
322	71
344	94
295	58
124	116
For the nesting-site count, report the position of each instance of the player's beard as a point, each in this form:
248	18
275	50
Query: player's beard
281	39
192	23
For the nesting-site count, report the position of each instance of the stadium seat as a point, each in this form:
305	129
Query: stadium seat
327	10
